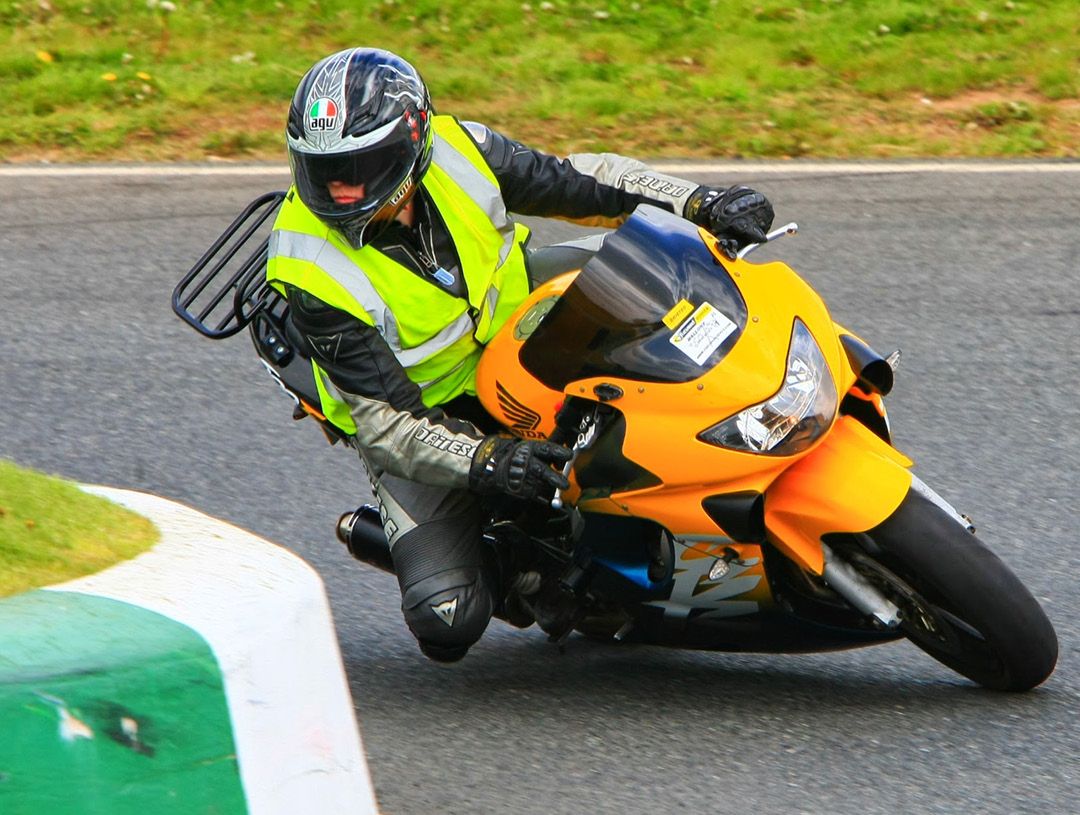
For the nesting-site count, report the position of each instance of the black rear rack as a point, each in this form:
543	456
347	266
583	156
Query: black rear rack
222	311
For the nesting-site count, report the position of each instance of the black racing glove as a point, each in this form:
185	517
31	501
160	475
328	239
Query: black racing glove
519	468
737	216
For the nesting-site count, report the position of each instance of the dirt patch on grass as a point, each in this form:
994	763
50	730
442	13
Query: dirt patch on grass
982	123
977	98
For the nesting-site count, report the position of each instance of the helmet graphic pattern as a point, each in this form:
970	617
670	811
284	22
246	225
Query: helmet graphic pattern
326	106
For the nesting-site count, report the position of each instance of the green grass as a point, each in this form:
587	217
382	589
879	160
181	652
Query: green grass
51	531
129	81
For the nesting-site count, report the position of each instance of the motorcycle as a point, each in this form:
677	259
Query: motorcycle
733	485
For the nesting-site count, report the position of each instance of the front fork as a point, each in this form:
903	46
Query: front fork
857	590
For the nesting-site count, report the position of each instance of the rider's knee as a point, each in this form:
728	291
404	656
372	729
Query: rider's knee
448	612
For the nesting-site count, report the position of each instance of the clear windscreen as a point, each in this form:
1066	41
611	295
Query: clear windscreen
652	305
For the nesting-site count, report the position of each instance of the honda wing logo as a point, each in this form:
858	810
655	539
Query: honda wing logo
521	417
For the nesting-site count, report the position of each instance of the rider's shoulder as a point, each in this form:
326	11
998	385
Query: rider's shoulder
480	133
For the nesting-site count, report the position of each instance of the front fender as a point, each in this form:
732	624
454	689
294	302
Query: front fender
851	482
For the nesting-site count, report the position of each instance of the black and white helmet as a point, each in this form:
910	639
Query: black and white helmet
362	117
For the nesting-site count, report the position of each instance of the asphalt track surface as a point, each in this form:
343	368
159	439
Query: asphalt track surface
973	275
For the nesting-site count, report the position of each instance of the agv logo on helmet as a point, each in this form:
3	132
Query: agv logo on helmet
323	115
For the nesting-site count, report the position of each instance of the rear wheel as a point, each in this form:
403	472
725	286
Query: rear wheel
958	601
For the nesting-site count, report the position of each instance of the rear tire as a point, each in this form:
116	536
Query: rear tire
958	601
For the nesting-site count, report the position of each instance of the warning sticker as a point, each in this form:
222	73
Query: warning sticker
702	333
682	310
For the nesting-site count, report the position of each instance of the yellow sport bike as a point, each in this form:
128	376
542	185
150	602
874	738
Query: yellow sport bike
733	485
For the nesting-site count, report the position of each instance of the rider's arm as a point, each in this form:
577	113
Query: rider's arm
597	188
394	428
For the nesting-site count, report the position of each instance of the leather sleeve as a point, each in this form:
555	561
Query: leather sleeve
584	186
394	429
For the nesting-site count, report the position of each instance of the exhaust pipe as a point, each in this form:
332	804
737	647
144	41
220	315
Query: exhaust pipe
362	533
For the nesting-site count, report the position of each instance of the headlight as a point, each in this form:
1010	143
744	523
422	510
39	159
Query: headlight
795	417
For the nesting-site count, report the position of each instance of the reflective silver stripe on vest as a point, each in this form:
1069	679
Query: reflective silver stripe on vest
330	387
441	377
322	253
298	246
408	357
485	194
492	300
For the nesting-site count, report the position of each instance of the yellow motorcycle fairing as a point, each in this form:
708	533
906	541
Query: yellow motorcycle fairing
866	481
847	481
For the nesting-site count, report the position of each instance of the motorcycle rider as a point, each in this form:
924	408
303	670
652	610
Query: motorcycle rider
398	257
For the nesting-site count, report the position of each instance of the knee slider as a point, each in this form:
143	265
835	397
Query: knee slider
448	611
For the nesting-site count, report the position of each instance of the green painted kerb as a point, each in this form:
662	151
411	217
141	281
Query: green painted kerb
109	708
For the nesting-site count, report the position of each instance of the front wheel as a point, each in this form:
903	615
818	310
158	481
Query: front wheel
958	601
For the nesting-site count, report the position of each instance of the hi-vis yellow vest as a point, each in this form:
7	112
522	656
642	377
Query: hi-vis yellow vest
436	336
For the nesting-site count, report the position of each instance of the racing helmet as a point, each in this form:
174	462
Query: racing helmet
361	117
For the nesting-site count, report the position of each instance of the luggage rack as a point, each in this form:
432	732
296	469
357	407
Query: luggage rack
245	300
225	310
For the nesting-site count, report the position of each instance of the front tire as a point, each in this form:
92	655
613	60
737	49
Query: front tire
958	601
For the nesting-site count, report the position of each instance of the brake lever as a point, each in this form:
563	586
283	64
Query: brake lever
587	429
787	229
557	501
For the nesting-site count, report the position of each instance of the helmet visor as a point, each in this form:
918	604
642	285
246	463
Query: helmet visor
372	175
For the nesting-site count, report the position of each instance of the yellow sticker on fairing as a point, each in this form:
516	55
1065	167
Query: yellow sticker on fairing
674	318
